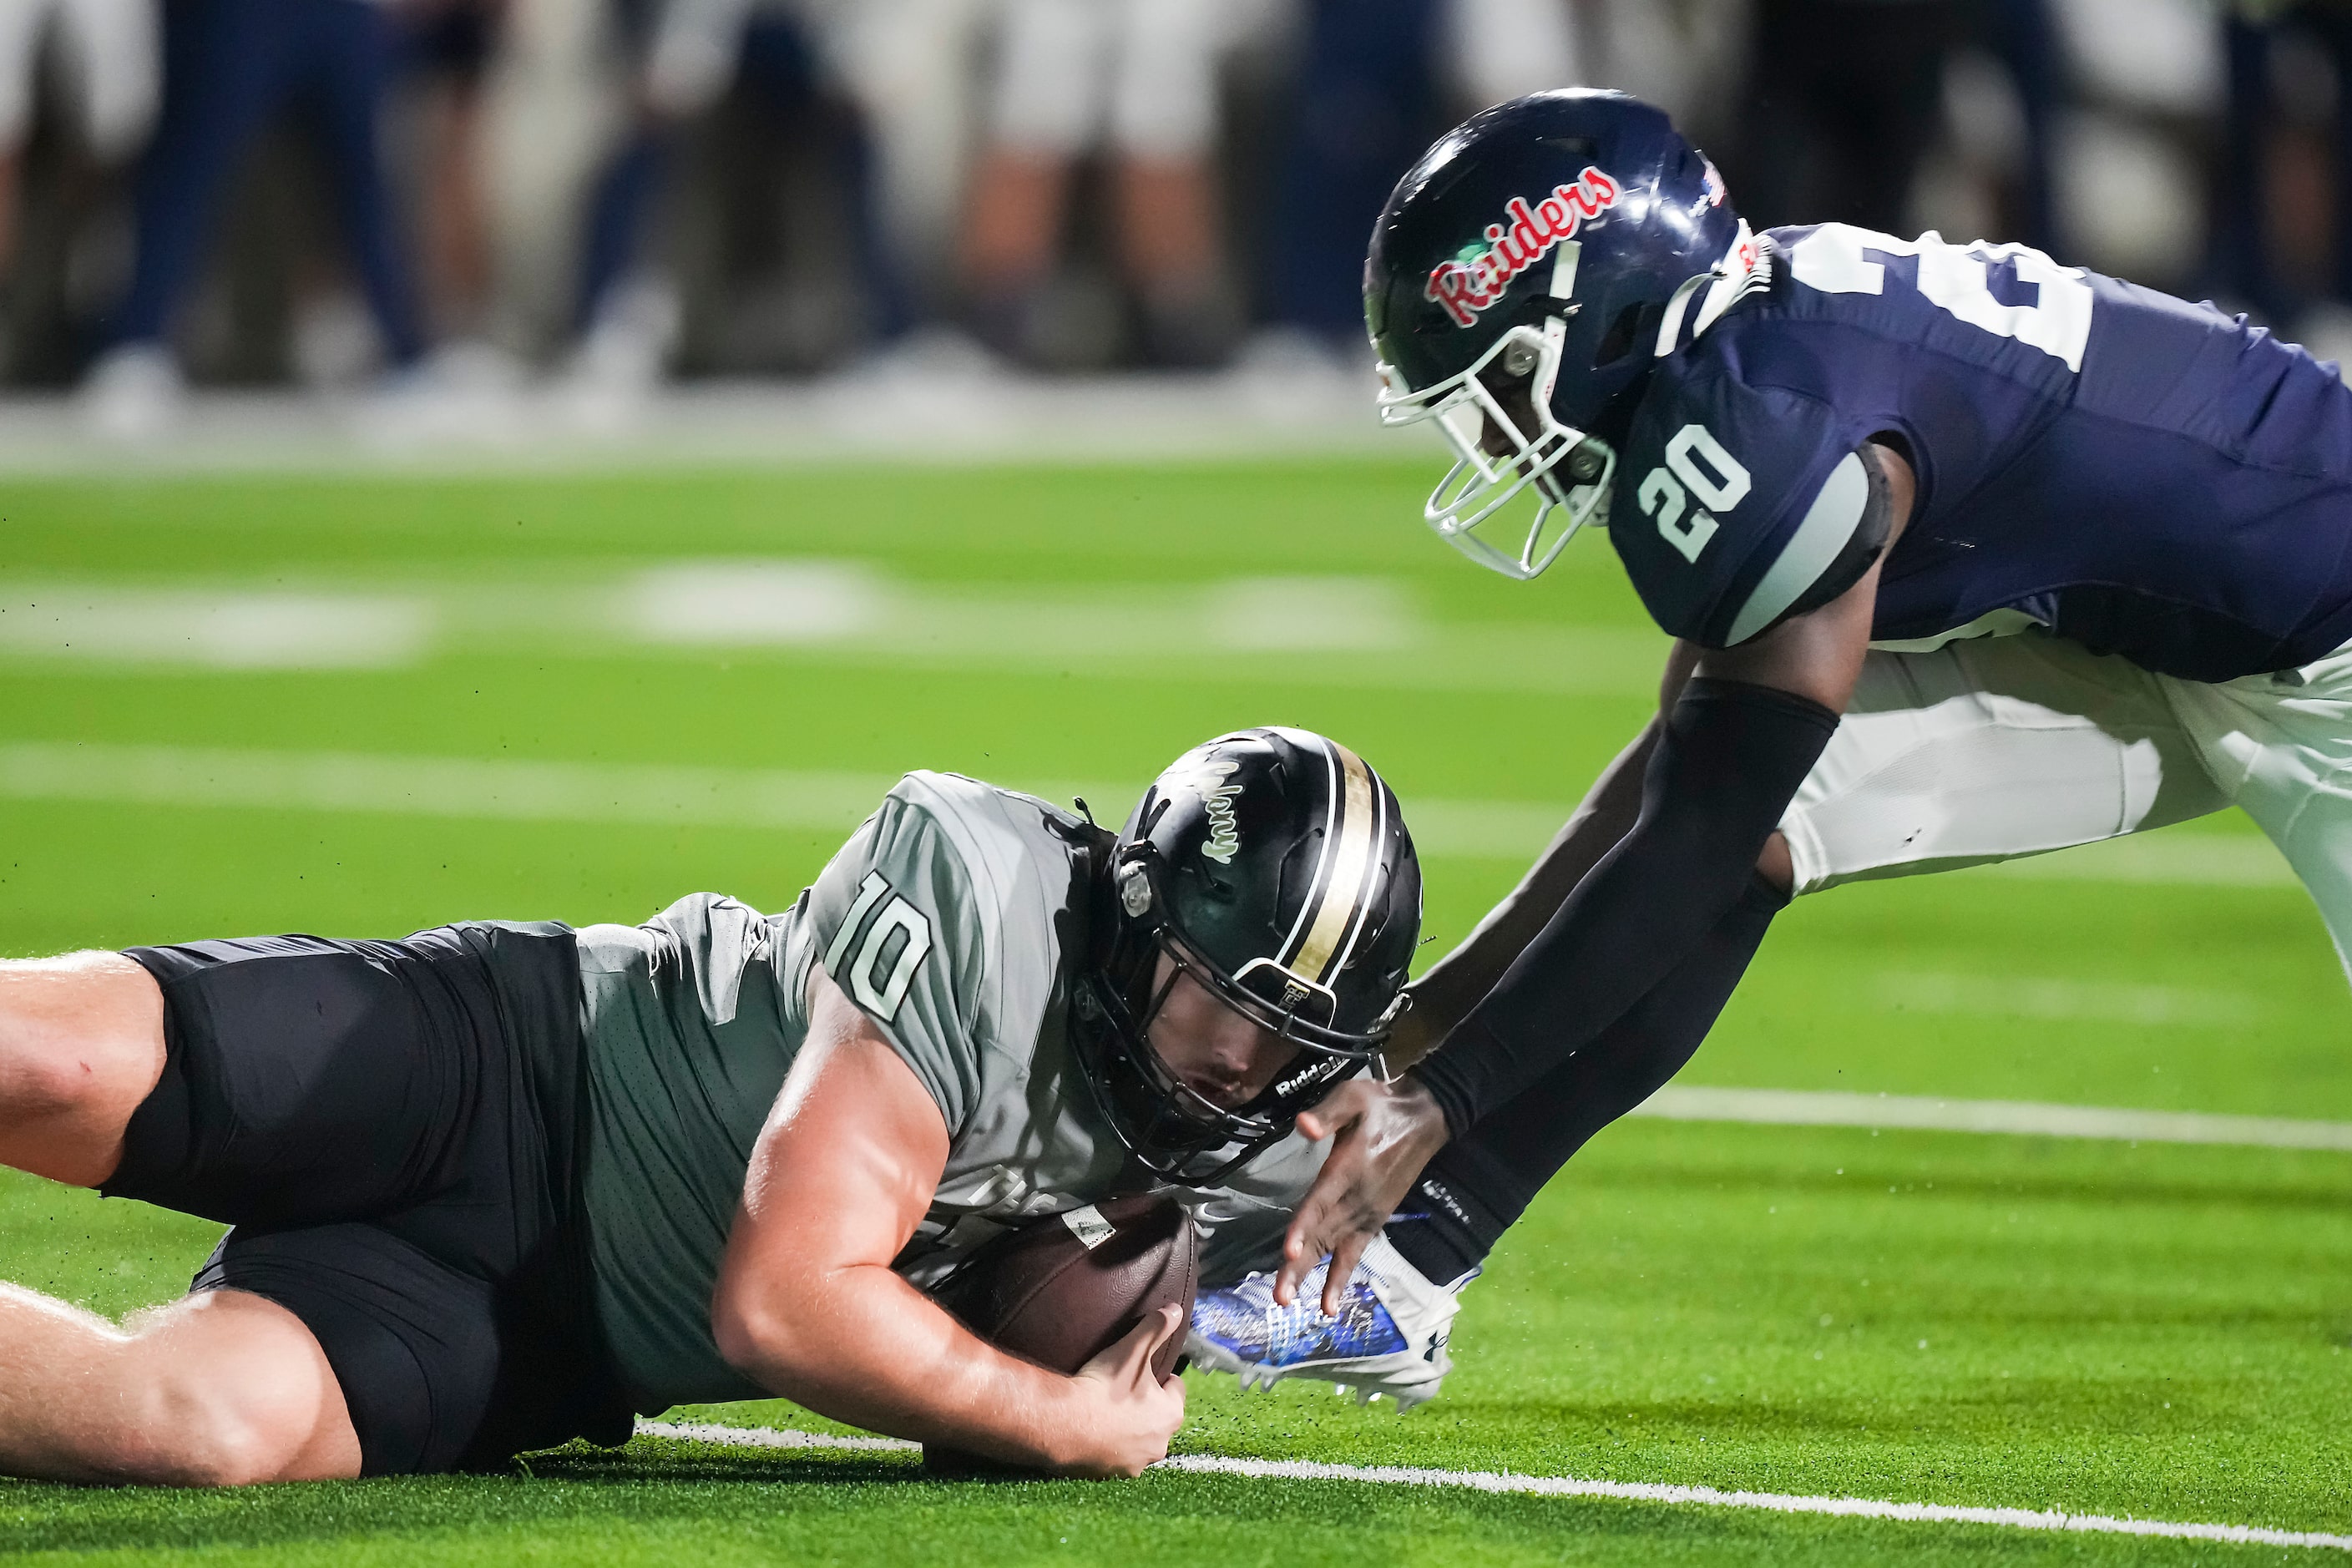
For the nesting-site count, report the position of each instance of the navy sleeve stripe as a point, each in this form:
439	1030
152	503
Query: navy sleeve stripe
1831	521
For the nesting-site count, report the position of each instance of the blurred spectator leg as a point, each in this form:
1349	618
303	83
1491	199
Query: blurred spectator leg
20	43
1010	241
1169	237
2242	273
889	299
353	69
226	66
1366	106
625	318
2021	35
1047	109
2333	29
107	54
449	49
779	63
1163	108
907	64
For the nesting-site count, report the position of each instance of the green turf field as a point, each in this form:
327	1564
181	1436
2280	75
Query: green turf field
359	707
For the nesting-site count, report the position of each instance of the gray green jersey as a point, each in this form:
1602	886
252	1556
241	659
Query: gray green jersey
946	919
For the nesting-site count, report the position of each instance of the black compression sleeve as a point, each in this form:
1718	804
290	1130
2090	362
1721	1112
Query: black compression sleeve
1728	763
1478	1186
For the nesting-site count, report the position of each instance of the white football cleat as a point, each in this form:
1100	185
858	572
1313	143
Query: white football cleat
1389	1336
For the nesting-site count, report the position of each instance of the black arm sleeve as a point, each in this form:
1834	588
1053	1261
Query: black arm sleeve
1728	762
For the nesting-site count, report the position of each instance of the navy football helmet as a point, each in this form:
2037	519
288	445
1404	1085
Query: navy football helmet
1273	867
1525	274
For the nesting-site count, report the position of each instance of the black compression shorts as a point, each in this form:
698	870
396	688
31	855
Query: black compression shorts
392	1129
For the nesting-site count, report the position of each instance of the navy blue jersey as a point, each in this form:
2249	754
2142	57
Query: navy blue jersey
2146	476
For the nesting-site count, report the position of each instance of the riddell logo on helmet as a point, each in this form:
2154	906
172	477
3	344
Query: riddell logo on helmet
1477	279
1315	1073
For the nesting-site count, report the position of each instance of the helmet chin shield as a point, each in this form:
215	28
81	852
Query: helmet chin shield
1558	476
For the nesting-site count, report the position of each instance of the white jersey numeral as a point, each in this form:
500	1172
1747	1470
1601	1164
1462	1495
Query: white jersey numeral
1665	491
898	915
1835	260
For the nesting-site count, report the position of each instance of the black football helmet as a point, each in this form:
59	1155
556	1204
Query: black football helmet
1273	867
1525	274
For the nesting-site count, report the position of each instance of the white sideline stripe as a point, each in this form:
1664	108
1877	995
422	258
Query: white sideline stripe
1505	1483
462	787
768	1438
1806	1108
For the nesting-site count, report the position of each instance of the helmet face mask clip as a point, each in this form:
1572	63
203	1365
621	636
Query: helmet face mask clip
1481	485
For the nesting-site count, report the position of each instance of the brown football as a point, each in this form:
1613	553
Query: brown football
1062	1290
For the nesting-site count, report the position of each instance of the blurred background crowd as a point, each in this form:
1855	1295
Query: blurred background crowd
427	199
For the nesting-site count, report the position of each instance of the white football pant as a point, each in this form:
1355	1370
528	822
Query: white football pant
2001	746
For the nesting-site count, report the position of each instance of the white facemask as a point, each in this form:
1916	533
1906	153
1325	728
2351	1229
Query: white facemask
1479	491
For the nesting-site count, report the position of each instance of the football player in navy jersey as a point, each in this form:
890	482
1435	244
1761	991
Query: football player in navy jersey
1967	554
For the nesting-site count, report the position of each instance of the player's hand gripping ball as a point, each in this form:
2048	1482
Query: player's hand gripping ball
1062	1290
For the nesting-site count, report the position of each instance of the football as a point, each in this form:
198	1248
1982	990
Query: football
1062	1290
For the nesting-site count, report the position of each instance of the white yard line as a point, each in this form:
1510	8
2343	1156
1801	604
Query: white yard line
662	796
654	795
1807	1107
770	1437
1325	630
1507	1484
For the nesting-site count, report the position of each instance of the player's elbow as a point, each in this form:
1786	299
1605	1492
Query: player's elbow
747	1329
760	1328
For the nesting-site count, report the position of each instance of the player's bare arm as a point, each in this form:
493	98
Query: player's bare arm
808	1306
1385	1132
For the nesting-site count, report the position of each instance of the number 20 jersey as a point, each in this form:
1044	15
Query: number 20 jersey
2142	476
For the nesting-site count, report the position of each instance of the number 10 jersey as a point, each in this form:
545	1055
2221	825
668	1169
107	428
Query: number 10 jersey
2142	476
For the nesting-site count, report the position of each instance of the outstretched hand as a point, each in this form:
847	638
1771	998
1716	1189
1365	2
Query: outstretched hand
1384	1134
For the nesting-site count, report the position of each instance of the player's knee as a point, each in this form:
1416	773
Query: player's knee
82	1030
198	1427
1776	865
230	1391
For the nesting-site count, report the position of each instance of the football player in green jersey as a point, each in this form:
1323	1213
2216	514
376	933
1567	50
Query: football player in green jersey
502	1185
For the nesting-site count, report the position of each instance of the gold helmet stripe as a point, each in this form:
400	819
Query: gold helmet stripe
1332	795
1347	861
